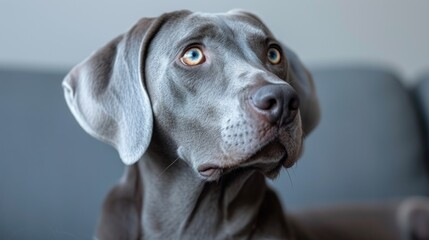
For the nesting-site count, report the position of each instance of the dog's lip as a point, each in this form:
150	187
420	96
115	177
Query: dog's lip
212	171
209	169
287	163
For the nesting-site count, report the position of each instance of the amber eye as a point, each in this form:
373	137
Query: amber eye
193	56
274	55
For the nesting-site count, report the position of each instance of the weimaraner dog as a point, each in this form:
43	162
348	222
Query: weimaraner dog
202	108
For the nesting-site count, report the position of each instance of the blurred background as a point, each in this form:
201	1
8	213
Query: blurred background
370	63
48	33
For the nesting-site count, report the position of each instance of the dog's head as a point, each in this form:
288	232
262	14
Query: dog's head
217	91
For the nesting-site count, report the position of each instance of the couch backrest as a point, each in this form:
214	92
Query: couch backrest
53	176
369	144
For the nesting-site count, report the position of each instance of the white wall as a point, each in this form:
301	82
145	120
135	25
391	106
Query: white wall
54	33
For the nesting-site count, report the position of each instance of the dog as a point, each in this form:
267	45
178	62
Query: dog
202	108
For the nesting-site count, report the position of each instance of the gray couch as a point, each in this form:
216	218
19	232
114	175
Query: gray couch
371	146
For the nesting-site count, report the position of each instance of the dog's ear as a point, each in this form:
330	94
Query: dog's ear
106	92
300	78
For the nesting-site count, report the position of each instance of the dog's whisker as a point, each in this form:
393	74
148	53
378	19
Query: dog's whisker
171	164
290	178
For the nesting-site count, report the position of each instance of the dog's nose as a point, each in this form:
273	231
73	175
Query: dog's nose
276	103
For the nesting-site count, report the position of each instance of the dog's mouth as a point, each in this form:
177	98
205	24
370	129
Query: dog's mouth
268	160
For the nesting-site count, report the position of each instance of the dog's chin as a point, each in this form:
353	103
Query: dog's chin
268	160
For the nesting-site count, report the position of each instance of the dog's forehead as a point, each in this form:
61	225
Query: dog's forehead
216	25
237	22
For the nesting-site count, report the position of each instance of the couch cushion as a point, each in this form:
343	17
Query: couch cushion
368	146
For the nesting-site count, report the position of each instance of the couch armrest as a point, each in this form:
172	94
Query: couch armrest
421	92
394	220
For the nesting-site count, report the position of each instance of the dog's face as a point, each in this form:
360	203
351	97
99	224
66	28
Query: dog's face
217	91
220	92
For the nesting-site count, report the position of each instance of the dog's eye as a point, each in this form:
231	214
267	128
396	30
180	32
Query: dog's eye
274	55
193	56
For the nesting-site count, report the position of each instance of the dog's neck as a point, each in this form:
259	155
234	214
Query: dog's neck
177	204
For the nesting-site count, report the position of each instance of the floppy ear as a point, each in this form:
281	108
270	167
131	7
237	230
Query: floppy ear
300	78
106	92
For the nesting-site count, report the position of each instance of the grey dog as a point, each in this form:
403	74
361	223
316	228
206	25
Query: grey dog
202	108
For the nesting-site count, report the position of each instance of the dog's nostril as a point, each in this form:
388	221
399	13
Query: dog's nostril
294	103
265	101
267	104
